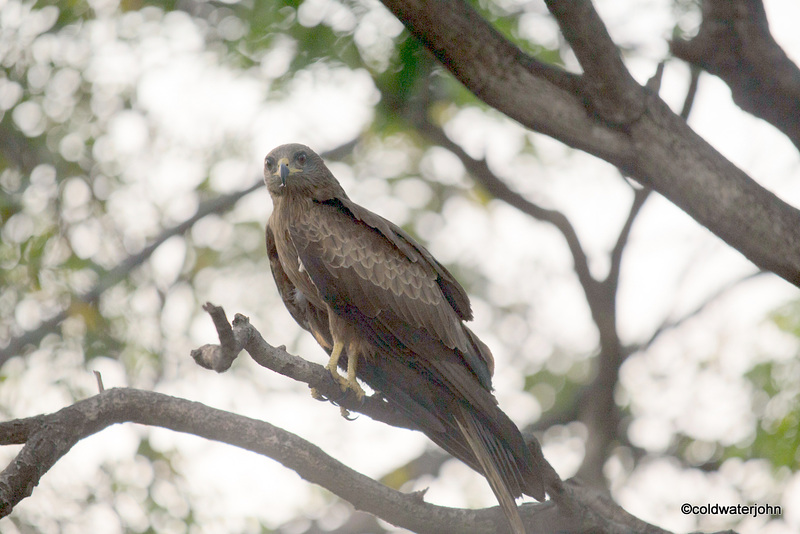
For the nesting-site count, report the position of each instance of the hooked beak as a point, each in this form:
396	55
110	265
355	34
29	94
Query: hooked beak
283	170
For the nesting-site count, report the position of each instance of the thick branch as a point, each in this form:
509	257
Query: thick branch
51	436
615	95
734	43
539	96
578	508
659	150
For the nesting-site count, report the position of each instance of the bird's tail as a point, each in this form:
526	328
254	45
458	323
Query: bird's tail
498	464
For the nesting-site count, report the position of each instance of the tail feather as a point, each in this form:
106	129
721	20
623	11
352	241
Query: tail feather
496	468
481	436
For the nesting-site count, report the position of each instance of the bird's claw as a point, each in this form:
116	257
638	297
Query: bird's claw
336	376
347	384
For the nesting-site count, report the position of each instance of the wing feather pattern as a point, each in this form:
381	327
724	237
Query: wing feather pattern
412	324
311	318
428	364
410	286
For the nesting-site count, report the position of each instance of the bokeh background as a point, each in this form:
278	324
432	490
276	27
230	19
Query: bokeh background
120	121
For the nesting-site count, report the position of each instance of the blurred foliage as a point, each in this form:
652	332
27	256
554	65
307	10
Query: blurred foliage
67	186
776	402
73	208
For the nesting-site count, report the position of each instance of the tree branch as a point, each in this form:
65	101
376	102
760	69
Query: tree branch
735	44
640	196
614	94
668	325
49	437
658	149
109	279
577	508
241	335
539	96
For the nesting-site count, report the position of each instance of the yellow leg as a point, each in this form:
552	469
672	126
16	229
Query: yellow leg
336	353
352	382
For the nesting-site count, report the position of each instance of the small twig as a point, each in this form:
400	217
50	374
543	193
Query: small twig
99	377
691	92
654	83
109	279
668	325
640	196
241	335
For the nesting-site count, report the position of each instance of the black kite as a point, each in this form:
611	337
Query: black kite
388	312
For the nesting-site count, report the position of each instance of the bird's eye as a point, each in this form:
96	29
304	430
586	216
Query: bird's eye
269	164
300	158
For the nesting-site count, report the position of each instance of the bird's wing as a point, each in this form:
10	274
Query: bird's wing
451	289
310	317
391	283
391	290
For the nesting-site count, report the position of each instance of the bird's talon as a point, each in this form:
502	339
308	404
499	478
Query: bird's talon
336	376
357	389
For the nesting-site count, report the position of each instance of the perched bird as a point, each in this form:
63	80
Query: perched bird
392	316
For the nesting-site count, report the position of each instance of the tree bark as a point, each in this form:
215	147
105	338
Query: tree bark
655	147
734	43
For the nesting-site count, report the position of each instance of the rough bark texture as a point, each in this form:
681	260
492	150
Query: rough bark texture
734	43
656	147
49	437
603	111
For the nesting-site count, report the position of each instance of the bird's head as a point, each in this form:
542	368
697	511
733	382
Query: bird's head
295	169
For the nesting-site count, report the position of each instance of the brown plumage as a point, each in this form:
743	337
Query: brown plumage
393	316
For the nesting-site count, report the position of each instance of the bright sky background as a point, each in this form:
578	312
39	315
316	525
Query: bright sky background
189	104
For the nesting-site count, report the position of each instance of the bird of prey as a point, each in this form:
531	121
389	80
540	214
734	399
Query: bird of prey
392	316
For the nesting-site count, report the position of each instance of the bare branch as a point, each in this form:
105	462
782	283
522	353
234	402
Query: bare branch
241	335
615	95
658	149
109	279
220	204
734	42
49	437
573	503
668	325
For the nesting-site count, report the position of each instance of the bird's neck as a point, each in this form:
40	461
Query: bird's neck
291	207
